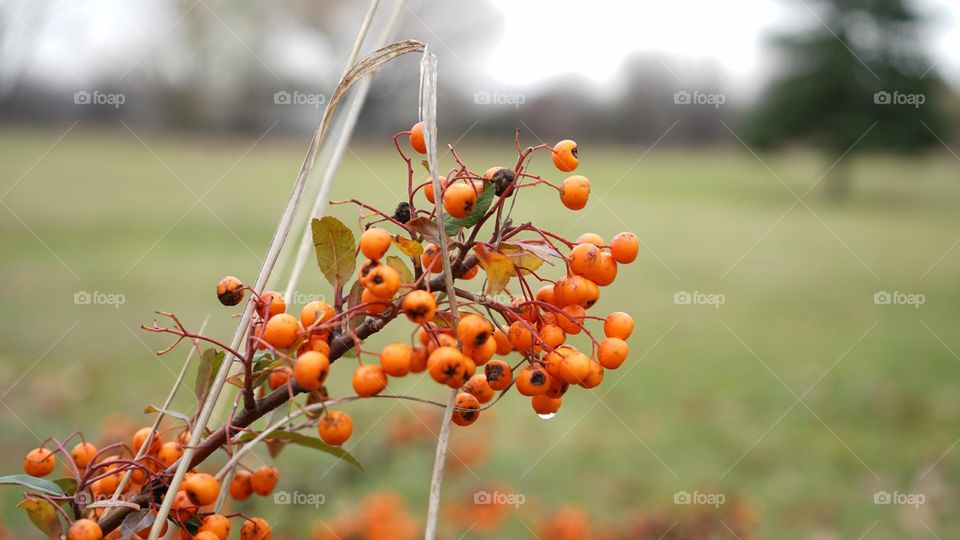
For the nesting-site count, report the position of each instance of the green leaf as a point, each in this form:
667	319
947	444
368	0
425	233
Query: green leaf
309	442
266	365
210	362
136	522
44	515
173	414
68	485
406	275
452	225
36	484
336	249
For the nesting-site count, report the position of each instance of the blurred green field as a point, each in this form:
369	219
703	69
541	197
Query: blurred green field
707	402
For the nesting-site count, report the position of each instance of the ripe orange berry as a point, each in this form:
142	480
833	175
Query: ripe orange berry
483	353
503	342
459	200
170	452
39	462
471	273
374	243
574	192
469	416
383	281
565	155
217	525
612	352
106	485
418	361
528	312
141	436
206	535
240	485
82	454
545	293
335	427
590	238
369	380
182	508
594	376
478	386
416	138
571	319
590	295
84	529
558	387
552	335
202	489
447	365
473	330
428	189
570	290
440	339
533	380
498	374
520	336
375	304
316	311
618	324
274	300
583	258
545	404
279	376
395	359
230	291
605	272
575	367
419	306
282	331
263	480
255	529
624	247
145	532
551	362
311	369
431	259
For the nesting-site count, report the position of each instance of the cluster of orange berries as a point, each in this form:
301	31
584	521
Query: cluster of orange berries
198	491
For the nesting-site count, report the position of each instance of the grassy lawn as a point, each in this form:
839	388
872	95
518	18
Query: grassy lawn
798	394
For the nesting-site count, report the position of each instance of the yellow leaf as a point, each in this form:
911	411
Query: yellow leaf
499	269
525	260
44	515
408	246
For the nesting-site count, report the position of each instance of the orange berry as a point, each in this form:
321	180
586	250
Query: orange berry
369	380
545	294
240	485
575	367
182	508
478	386
605	272
558	387
570	319
206	535
145	532
441	339
459	200
590	295
84	529
545	404
217	525
498	374
395	359
316	311
263	480
418	362
520	336
590	238
552	335
482	353
428	189
528	312
39	462
311	369
503	342
383	281
618	325
419	306
584	258
447	365
431	259
202	489
565	155
594	376
141	436
279	376
612	352
83	453
473	330
274	300
374	243
230	291
624	247
416	138
468	416
255	529
170	452
533	380
375	304
282	331
574	192
335	427
471	273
